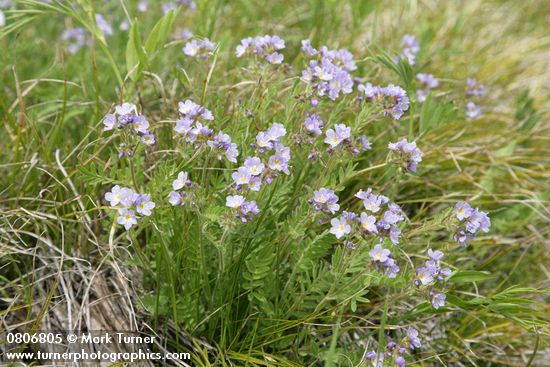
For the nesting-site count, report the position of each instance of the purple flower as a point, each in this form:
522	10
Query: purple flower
223	144
400	361
144	205
410	48
254	165
426	83
194	111
380	254
314	125
409	153
463	210
438	300
142	6
127	218
471	221
278	162
245	209
412	336
199	48
242	176
435	255
325	200
308	49
175	198
395	101
340	227
474	89
371	201
76	38
424	276
368	223
340	133
263	47
364	143
141	124
109	121
181	181
473	111
103	25
427	80
234	201
329	76
148	138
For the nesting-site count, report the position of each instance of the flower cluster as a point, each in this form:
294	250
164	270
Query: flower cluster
393	100
251	173
471	220
408	153
426	83
337	137
325	201
430	274
244	210
314	125
125	116
473	90
178	195
379	221
263	47
191	127
395	351
410	48
382	258
329	74
199	48
375	221
128	202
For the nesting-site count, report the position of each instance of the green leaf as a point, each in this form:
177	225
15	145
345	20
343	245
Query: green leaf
136	59
434	115
470	276
160	32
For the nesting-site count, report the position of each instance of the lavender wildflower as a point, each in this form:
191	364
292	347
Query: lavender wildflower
314	125
427	83
199	48
103	25
244	209
329	74
144	205
380	254
308	49
340	227
438	300
325	200
263	47
254	165
126	201
76	38
474	89
222	143
176	196
410	48
340	133
409	153
473	111
470	221
127	218
392	99
413	339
